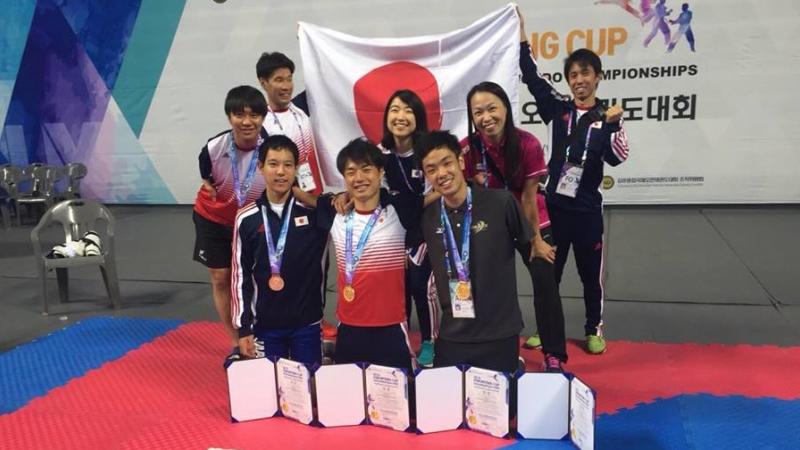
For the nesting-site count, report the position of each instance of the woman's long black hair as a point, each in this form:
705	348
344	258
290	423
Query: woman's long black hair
415	103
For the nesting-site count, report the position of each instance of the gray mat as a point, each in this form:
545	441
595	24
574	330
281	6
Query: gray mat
674	254
792	314
658	258
768	243
725	324
21	301
653	254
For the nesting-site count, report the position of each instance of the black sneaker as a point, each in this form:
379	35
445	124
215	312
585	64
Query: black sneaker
234	356
552	364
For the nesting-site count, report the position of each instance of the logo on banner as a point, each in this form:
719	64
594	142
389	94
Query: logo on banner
608	182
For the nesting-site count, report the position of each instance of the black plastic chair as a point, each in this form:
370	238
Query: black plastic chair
74	174
10	177
41	179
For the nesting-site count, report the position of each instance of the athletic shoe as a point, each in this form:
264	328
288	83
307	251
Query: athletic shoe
595	344
328	331
533	342
552	364
425	357
69	249
92	244
234	356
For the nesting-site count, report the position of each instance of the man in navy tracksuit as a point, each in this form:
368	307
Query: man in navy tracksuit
281	272
585	136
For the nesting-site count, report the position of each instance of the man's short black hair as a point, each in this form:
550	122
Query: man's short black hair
268	63
242	97
278	142
437	139
583	57
360	151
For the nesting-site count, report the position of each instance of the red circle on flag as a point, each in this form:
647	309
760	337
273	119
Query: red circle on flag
372	91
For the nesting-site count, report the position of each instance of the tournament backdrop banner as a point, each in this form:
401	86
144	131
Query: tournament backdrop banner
706	90
349	79
133	89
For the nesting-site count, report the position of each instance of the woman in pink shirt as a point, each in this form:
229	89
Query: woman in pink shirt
499	155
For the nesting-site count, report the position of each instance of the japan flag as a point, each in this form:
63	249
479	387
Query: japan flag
349	79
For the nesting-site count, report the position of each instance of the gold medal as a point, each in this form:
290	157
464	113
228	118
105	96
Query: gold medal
276	282
349	293
463	290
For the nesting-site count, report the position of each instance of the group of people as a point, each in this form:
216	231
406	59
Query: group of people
426	220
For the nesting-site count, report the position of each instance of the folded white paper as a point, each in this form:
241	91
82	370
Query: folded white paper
251	387
440	399
542	405
340	395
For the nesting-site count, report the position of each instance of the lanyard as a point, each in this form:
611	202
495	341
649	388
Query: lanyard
586	143
352	258
240	188
461	259
276	252
403	173
303	146
485	166
492	171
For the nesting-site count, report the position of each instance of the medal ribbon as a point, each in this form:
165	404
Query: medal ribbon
276	252
485	167
301	135
240	188
403	173
461	259
351	258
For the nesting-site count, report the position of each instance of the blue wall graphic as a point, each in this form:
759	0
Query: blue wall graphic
67	63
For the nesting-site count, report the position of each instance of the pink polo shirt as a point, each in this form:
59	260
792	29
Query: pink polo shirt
532	165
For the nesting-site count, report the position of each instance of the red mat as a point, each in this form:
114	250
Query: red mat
171	393
630	373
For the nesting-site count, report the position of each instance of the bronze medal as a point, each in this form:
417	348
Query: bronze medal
463	290
276	282
349	293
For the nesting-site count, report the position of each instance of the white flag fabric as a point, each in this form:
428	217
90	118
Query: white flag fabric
349	79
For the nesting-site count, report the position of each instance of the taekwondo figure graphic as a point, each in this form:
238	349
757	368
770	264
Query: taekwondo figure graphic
660	17
659	23
624	4
646	11
684	21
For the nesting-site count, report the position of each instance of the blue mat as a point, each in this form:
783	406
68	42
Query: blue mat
33	369
695	422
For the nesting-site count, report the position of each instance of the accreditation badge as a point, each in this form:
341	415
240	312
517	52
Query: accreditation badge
461	300
305	178
569	180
